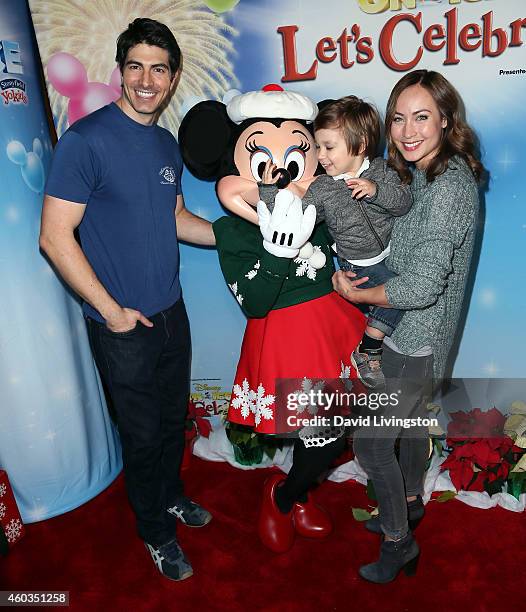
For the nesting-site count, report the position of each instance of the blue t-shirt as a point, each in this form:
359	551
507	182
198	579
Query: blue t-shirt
129	175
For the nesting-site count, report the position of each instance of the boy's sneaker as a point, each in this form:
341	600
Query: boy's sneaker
190	513
368	366
170	560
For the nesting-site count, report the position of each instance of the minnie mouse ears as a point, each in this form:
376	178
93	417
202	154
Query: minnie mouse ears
209	130
204	136
271	102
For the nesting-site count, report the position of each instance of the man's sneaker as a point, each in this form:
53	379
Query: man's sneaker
369	367
170	560
190	513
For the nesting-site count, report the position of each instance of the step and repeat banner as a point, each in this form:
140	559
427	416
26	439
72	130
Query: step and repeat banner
359	47
56	441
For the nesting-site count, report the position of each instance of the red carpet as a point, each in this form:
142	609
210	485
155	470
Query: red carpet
471	559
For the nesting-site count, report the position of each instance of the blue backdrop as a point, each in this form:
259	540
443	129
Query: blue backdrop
56	441
50	395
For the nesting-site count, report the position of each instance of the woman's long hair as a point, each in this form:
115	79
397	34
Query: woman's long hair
457	137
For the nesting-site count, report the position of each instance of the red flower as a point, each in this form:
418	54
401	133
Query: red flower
501	472
460	472
460	425
204	427
476	424
480	454
478	482
484	454
490	424
196	421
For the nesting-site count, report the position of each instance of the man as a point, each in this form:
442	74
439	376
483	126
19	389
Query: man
116	176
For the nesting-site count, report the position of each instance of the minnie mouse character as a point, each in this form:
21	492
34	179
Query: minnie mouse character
279	267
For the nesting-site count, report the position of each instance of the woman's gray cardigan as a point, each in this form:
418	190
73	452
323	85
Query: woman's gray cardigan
431	249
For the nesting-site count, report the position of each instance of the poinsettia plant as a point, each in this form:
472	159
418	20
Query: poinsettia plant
484	454
251	447
197	423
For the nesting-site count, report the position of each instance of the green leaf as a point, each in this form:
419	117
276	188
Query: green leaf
370	490
360	514
237	434
270	450
515	488
253	442
494	487
446	496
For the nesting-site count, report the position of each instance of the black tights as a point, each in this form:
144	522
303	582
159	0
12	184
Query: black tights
307	466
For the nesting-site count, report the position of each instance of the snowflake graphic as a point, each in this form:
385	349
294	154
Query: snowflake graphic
244	399
13	530
307	386
3	510
239	297
345	371
250	275
256	402
304	267
263	403
3	490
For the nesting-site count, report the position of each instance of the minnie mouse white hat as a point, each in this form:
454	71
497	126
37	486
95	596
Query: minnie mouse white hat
270	103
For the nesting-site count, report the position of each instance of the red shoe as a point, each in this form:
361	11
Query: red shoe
311	520
275	529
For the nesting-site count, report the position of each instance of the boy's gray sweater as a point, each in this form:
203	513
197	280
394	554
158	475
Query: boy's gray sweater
344	215
431	249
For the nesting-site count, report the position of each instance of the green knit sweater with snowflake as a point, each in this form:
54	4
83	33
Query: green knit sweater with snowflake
262	282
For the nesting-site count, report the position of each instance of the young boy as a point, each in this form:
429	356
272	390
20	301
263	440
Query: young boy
359	198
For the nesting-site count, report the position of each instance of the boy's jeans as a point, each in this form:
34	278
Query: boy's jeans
383	319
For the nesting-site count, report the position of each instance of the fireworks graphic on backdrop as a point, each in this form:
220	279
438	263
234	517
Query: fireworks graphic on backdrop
88	29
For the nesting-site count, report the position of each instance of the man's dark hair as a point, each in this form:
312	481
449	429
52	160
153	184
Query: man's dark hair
148	32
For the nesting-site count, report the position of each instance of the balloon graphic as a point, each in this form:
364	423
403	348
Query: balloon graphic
221	6
68	76
37	148
31	164
115	81
95	96
16	152
33	172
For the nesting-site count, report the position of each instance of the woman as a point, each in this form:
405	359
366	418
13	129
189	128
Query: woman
431	250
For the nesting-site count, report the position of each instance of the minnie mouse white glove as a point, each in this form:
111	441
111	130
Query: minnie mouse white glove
288	228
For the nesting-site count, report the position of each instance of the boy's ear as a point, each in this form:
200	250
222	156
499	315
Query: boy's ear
204	137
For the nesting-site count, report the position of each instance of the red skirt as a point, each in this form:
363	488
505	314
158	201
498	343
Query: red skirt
306	342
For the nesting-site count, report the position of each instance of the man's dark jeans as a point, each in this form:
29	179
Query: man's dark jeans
147	373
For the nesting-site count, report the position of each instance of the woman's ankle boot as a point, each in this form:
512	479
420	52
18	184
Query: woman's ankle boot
394	556
415	513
